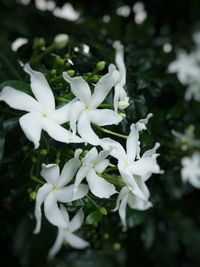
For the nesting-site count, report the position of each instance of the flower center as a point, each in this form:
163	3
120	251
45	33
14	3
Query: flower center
45	114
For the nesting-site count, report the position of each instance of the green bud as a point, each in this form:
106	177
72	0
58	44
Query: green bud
61	40
94	78
116	246
67	65
32	195
34	159
106	236
122	115
57	161
71	73
39	43
53	72
103	211
43	152
100	65
59	61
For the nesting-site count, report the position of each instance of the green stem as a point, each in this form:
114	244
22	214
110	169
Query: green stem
116	180
111	132
35	179
35	59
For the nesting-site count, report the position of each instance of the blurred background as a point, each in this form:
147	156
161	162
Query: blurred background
152	31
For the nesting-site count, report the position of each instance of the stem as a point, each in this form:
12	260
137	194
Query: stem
111	132
35	59
116	180
35	179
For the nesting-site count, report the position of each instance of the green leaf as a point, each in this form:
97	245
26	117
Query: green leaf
94	217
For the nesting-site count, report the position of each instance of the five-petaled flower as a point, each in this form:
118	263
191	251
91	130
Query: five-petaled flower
55	190
66	233
41	112
93	164
85	109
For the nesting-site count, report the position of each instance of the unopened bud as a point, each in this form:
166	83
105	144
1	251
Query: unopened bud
100	65
39	43
61	40
103	211
94	79
71	73
116	246
122	115
123	104
43	152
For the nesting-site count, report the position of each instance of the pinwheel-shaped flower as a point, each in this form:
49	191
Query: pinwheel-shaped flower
85	109
130	164
41	112
121	100
55	190
66	233
92	165
191	170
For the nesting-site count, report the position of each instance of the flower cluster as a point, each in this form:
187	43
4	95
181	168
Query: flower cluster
187	67
83	114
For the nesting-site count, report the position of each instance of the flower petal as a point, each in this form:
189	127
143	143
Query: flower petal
137	203
57	245
104	117
61	115
19	100
122	211
119	60
68	171
31	124
52	211
101	166
124	191
50	173
65	214
79	88
81	174
77	108
104	85
75	241
90	157
81	192
132	144
59	133
67	194
41	89
116	149
85	130
77	221
145	166
99	186
41	195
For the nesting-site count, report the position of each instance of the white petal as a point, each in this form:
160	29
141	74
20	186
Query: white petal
122	211
99	186
137	203
124	191
85	130
141	124
19	100
57	245
41	89
119	60
68	171
67	194
41	195
130	181
77	108
81	174
77	221
75	241
118	88
151	152
65	214
50	173
52	211
61	115
116	149
104	117
59	133
90	157
104	85
132	144
145	166
79	88
81	192
101	166
31	124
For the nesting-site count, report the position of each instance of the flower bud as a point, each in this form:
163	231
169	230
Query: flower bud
43	152
94	79
61	40
122	115
71	73
116	246
100	65
39	43
103	211
123	104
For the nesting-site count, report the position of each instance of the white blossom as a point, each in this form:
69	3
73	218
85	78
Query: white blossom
55	190
191	169
66	233
41	111
185	66
85	109
121	100
93	164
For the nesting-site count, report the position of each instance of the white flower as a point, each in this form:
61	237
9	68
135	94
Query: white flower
41	112
66	233
130	164
126	197
92	165
185	66
85	109
55	190
191	170
193	91
121	99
